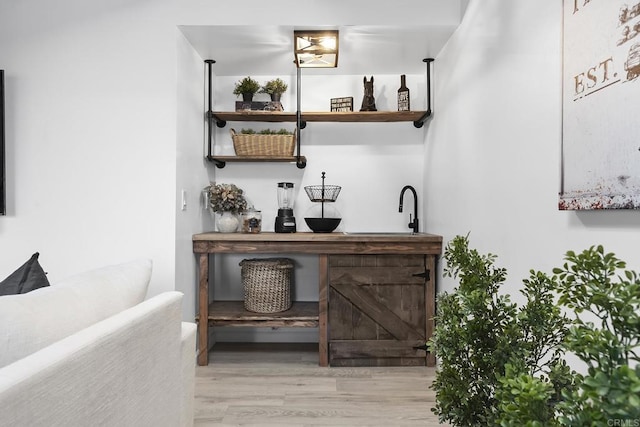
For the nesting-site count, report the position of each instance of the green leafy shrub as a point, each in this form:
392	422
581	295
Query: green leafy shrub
246	85
274	86
503	365
597	283
499	364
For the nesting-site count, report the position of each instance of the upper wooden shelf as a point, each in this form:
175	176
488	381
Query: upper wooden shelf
222	117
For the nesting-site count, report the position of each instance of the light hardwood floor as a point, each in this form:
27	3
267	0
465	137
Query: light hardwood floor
282	385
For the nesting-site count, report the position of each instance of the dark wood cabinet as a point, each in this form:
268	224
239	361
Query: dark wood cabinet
378	309
376	293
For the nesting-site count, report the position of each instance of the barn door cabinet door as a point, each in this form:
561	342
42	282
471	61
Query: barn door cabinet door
377	310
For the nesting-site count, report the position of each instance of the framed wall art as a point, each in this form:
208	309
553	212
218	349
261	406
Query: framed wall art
600	105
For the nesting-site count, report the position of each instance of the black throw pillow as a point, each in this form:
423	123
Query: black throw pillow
28	277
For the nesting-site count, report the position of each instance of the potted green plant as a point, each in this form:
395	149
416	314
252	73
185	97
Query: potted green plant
489	346
246	87
605	335
275	88
503	364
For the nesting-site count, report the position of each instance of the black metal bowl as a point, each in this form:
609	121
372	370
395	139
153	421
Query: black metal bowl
323	225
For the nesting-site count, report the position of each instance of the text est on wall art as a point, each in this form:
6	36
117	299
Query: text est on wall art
601	105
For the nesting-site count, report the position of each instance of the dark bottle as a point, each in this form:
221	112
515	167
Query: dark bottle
403	95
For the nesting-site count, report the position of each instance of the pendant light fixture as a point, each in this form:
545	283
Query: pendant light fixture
316	49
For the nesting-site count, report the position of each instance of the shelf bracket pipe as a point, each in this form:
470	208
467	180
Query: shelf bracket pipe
220	123
209	63
219	163
299	124
420	122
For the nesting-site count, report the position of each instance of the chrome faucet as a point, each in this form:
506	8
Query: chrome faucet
412	224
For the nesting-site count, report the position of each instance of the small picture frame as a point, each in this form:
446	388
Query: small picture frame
342	104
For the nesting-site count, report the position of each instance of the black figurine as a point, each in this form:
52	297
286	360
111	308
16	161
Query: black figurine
368	102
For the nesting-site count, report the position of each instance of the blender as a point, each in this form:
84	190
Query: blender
285	221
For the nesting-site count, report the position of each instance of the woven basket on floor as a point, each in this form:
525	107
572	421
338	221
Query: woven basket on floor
263	145
267	284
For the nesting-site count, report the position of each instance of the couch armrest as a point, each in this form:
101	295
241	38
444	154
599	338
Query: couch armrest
123	371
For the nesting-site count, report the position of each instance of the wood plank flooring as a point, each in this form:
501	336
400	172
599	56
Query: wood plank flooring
282	385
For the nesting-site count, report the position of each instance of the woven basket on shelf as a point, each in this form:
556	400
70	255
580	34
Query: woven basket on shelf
263	145
267	284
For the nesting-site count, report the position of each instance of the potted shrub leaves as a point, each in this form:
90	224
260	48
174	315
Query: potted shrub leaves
503	363
246	87
275	88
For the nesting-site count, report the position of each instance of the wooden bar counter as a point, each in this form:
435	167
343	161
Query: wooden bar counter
352	266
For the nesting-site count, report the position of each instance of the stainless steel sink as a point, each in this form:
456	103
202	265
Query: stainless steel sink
379	233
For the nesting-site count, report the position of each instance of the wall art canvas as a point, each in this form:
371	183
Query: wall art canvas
601	105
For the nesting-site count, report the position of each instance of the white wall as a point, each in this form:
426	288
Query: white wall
492	163
371	162
91	135
95	161
192	171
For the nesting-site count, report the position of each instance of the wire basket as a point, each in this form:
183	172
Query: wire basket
267	284
263	145
323	193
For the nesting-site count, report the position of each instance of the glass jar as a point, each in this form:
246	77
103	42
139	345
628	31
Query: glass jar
251	221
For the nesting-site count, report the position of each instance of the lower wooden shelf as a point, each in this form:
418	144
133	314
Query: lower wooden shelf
232	313
289	159
221	161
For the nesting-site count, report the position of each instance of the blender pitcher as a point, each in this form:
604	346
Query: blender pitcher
285	221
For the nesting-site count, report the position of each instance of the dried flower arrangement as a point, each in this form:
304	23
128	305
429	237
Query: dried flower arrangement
226	198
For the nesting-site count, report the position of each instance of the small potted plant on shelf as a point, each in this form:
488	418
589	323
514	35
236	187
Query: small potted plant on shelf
246	87
227	200
266	132
275	88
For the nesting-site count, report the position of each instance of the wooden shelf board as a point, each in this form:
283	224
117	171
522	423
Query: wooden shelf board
365	116
255	116
233	313
355	116
289	159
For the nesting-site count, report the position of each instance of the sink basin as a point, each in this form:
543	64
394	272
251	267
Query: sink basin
379	233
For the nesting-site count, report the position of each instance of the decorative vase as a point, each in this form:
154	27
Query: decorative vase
228	222
247	97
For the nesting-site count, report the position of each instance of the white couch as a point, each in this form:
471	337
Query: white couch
90	351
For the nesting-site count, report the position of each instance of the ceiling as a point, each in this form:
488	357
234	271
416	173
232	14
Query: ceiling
268	50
